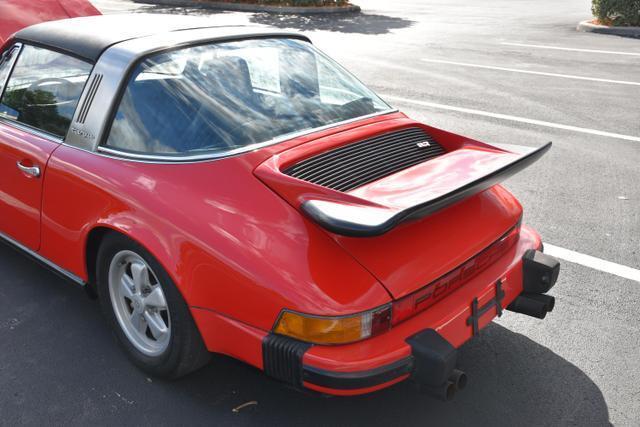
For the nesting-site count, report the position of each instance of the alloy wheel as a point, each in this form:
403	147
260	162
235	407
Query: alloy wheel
139	303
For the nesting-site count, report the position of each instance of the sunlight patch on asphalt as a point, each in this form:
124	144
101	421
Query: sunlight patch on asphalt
537	73
571	49
592	262
511	118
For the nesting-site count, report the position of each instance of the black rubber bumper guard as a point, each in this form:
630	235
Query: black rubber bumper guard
432	364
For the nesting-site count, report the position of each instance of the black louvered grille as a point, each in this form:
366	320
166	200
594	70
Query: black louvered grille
357	164
88	100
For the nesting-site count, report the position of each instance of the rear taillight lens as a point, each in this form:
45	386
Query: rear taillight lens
424	298
334	330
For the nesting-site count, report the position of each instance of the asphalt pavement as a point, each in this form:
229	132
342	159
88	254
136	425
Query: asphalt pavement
500	71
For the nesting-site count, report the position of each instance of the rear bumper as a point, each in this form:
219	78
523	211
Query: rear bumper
317	377
422	347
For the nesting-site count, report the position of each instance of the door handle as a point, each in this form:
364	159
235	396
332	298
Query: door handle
33	171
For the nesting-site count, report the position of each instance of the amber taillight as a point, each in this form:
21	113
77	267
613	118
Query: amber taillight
425	297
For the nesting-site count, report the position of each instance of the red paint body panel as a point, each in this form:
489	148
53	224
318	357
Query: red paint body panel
448	317
414	253
18	14
227	336
21	194
229	243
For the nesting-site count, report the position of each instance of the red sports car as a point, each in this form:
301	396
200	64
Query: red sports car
234	190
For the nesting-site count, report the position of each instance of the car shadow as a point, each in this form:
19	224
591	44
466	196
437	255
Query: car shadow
352	23
60	364
512	381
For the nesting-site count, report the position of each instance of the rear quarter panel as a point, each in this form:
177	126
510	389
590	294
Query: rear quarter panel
229	243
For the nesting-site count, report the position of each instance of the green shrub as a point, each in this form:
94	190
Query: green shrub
617	12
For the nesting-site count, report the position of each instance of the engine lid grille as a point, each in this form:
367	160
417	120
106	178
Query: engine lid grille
360	163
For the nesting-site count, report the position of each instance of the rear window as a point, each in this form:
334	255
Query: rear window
227	96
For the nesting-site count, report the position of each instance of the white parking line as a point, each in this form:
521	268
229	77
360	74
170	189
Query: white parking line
593	262
573	49
539	73
513	118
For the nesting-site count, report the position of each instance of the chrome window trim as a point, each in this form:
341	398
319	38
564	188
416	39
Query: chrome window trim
6	80
229	153
55	267
30	129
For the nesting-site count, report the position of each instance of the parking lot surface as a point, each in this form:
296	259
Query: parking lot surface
498	71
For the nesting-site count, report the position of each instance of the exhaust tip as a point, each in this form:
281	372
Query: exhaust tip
450	391
444	392
548	301
551	305
534	305
459	378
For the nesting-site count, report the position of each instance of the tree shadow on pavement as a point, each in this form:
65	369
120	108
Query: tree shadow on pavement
360	23
60	364
354	23
176	10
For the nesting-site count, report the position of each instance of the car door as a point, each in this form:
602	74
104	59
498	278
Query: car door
39	91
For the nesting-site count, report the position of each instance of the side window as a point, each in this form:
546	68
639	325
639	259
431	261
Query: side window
44	89
6	62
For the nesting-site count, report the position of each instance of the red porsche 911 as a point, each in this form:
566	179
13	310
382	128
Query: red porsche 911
233	190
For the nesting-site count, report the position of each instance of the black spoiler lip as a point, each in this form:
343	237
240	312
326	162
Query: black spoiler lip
354	229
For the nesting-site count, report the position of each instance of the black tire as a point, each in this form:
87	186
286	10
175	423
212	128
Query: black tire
185	351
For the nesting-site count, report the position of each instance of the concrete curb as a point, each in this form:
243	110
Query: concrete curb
247	7
589	27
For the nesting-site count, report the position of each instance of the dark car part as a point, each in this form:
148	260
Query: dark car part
477	312
360	163
548	301
532	305
434	366
540	272
282	358
359	379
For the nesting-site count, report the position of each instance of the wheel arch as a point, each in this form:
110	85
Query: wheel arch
152	245
92	245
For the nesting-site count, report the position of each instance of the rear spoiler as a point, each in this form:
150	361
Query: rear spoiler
420	190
